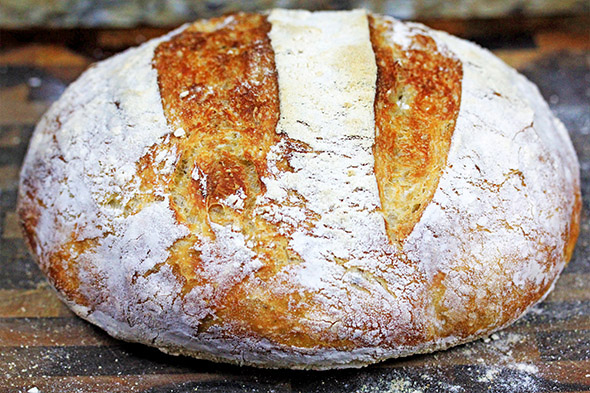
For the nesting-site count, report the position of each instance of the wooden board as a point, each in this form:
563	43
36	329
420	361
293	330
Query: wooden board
44	347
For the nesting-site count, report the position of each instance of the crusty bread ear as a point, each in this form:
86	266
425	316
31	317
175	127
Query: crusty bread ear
304	190
416	107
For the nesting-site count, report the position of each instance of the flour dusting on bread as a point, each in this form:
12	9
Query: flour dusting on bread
327	76
506	194
99	129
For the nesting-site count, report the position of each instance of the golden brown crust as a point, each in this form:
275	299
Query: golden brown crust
416	107
571	235
230	71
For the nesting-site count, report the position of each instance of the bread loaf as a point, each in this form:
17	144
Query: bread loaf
301	190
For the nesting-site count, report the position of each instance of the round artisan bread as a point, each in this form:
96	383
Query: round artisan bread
303	190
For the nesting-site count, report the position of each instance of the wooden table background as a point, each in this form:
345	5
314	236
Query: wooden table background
45	348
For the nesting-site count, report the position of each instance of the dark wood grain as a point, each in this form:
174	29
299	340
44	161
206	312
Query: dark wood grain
44	345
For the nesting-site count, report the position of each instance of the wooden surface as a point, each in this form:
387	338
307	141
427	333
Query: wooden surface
44	347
